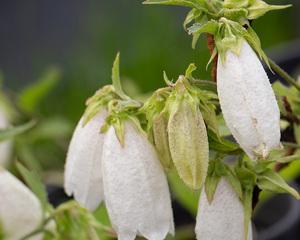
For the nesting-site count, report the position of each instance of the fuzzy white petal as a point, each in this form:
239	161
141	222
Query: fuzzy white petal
20	210
83	174
248	102
5	146
135	187
223	219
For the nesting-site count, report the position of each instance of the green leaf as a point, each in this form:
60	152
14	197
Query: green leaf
190	17
208	27
183	3
272	181
9	133
31	96
35	184
221	145
52	128
26	155
258	8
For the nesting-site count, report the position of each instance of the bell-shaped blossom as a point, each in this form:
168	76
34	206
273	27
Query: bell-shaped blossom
223	218
135	187
83	174
248	102
20	210
5	146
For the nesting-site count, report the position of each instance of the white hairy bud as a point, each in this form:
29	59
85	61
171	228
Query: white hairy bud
83	173
135	187
223	218
248	102
20	210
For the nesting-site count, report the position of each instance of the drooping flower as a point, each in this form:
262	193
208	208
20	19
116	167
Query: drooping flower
5	146
248	102
83	171
20	210
135	187
223	218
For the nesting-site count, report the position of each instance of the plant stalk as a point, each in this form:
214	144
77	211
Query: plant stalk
284	74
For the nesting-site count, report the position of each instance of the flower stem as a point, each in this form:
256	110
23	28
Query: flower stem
284	74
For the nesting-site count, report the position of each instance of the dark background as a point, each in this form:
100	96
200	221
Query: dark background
82	37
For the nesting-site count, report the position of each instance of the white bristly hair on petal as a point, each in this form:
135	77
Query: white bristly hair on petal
20	210
83	174
5	146
135	187
248	102
222	219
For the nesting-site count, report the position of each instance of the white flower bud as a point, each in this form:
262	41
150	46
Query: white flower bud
135	187
5	146
20	210
223	219
83	174
248	102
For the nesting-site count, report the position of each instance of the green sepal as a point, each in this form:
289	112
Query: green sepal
116	78
212	179
118	112
271	181
218	169
99	101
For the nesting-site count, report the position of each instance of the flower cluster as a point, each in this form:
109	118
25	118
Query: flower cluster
121	147
120	166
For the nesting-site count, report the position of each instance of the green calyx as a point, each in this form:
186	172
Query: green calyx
216	170
118	105
227	21
176	118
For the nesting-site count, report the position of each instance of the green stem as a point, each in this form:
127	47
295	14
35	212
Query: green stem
284	74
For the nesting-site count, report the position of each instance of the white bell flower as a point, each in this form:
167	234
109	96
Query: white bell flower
223	218
20	210
135	187
5	146
248	102
83	174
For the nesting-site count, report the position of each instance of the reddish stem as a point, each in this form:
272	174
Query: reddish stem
211	47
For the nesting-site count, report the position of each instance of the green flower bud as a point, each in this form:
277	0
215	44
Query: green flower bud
187	137
161	141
